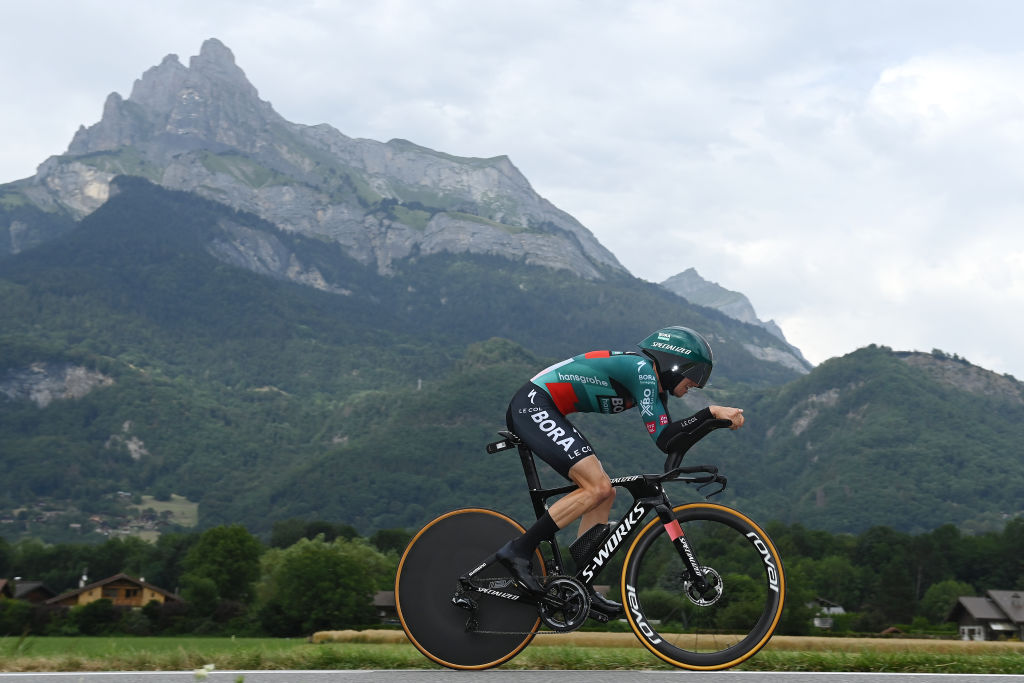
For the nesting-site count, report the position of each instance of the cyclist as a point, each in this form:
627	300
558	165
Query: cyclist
671	360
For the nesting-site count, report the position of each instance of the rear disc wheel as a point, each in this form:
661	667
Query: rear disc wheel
428	576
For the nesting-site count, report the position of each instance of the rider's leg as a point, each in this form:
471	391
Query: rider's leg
515	555
595	492
592	500
591	477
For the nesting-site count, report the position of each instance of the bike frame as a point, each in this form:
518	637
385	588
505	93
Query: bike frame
648	495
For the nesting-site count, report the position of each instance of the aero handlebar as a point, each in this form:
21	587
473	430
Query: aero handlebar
685	440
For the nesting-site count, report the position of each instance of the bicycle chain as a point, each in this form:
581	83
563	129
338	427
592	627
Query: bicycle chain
523	633
537	633
591	615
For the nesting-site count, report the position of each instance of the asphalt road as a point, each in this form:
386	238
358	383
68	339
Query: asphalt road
498	676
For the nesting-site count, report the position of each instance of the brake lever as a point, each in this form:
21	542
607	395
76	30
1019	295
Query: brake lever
719	479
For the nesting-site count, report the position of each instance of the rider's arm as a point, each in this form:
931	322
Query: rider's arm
674	429
667	439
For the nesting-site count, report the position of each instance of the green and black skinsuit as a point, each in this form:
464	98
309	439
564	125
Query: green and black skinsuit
592	382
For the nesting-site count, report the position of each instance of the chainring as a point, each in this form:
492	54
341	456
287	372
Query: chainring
564	605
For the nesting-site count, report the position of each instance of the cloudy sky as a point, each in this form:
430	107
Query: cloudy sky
855	168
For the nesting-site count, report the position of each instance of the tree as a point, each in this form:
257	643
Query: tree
890	595
391	540
890	586
227	556
1013	554
164	567
117	555
15	617
941	597
6	557
95	618
316	585
797	615
287	532
837	580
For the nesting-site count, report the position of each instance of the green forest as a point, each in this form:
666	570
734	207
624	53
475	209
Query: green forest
310	576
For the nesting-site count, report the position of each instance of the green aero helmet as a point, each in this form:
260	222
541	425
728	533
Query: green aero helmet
679	352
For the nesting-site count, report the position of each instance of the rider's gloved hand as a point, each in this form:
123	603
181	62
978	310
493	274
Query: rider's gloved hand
734	415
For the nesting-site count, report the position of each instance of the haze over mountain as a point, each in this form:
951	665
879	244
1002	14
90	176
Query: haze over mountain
273	319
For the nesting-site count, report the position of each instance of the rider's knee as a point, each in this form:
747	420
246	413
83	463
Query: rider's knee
601	493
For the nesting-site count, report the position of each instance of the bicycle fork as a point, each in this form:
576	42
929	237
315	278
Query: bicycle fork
694	570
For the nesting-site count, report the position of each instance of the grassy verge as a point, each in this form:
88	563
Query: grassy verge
388	650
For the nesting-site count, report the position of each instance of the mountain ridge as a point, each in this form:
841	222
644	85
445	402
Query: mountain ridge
204	129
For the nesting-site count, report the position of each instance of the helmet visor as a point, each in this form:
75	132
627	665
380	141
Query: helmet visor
671	372
699	374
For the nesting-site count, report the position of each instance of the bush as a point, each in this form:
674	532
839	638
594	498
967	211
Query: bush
15	617
167	617
96	618
136	623
315	585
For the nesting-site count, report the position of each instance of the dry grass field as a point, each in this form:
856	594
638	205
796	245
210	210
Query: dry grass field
781	643
389	649
586	650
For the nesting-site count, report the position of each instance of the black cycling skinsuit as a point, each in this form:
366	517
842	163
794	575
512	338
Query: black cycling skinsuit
592	382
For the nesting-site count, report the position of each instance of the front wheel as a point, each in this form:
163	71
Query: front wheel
727	622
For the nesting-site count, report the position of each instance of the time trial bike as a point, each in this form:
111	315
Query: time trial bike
702	585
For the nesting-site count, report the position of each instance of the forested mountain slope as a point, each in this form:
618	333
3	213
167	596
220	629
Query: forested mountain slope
877	437
172	371
137	360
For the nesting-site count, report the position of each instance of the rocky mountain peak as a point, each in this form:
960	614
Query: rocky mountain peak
202	128
691	286
210	102
216	56
159	85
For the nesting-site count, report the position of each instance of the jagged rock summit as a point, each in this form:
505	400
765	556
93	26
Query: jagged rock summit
204	129
692	287
211	100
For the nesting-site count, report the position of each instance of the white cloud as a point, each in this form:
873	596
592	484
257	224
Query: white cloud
938	97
